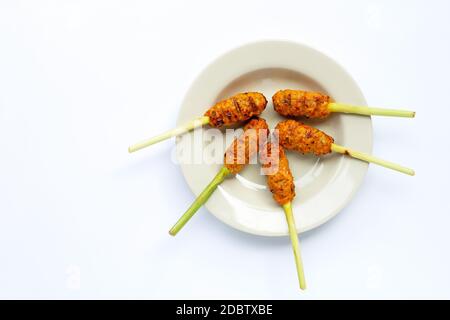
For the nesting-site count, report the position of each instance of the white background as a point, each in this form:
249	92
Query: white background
81	218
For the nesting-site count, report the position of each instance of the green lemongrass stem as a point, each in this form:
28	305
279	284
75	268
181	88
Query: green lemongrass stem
201	199
171	133
372	159
287	207
346	108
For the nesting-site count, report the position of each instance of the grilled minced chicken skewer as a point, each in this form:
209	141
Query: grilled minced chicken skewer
294	135
240	107
281	184
309	104
236	157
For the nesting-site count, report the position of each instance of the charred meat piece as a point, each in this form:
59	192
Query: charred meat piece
294	135
298	103
279	176
240	107
247	145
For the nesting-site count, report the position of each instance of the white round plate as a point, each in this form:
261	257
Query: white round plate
323	185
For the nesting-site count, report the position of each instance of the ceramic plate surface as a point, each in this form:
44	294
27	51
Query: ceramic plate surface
323	185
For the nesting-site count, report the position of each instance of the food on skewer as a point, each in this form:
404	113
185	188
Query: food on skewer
236	157
294	135
281	184
240	107
309	104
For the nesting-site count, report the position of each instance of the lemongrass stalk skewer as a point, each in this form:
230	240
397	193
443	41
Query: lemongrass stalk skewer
236	157
191	125
200	200
369	111
238	108
369	158
316	105
287	207
297	136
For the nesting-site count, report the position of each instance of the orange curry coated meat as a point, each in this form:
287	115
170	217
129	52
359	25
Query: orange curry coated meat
296	103
279	176
294	135
240	107
246	146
